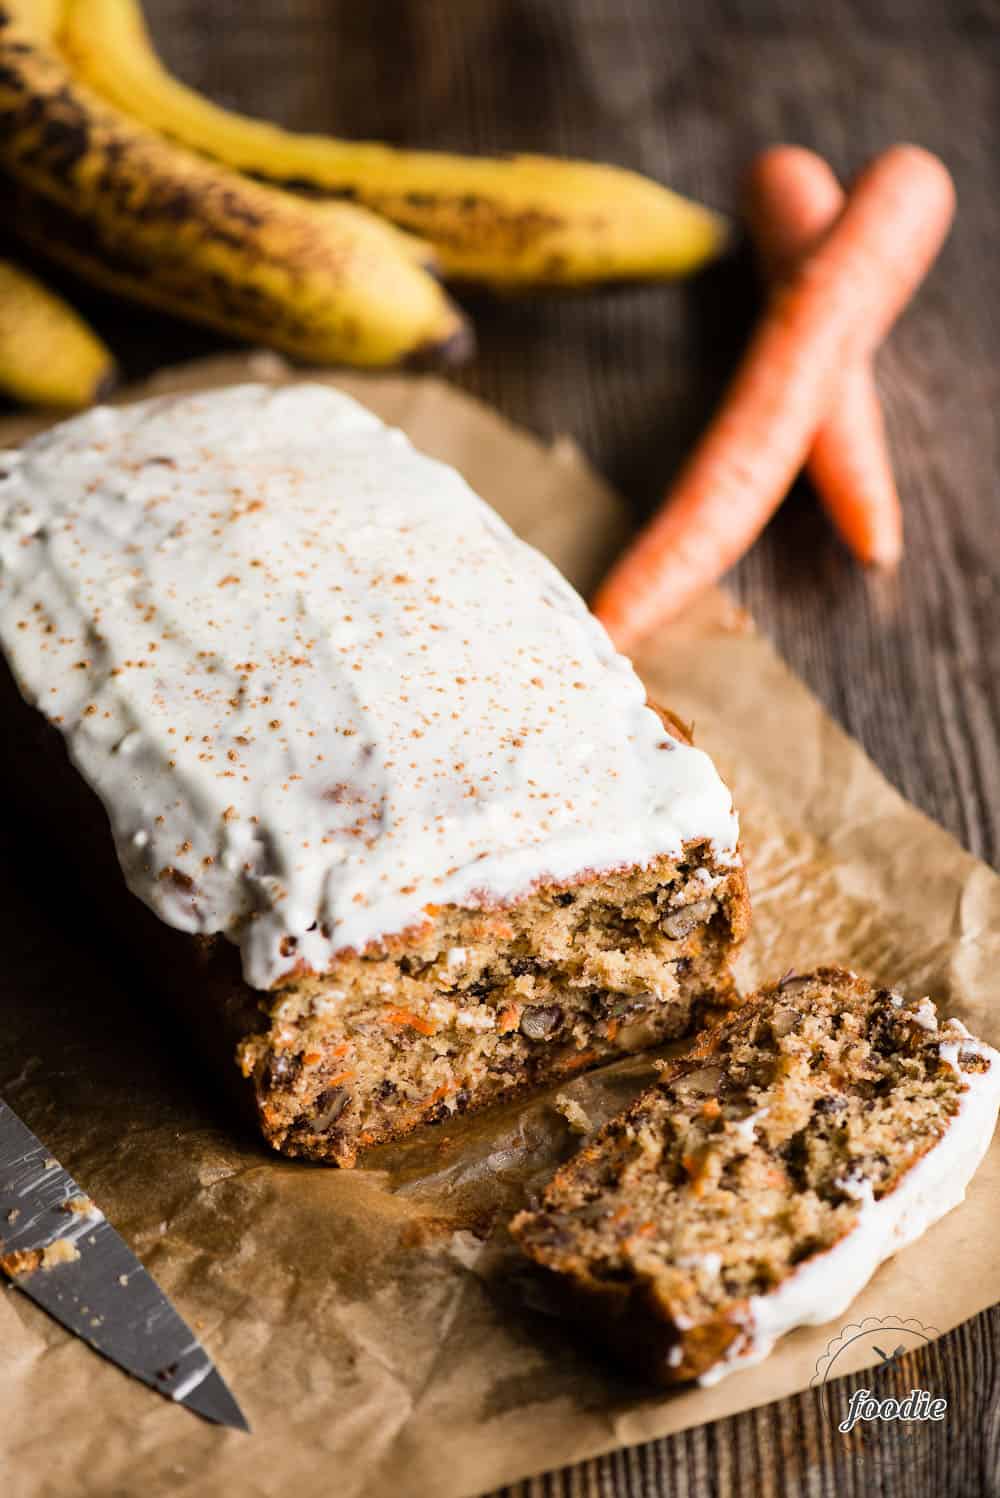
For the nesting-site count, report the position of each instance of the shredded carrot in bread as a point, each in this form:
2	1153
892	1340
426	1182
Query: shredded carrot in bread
439	1093
406	1017
702	1169
575	1063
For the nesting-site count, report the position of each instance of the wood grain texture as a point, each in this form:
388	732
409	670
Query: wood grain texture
687	92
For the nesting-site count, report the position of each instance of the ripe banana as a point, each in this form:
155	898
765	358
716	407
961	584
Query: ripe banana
328	283
45	17
518	221
48	355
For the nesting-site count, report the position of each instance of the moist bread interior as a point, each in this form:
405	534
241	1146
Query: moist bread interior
489	1001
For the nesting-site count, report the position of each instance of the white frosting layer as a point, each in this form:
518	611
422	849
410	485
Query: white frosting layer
822	1287
316	681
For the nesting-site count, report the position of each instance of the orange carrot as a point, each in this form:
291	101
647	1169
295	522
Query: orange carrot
830	314
438	1095
577	1062
401	1017
792	199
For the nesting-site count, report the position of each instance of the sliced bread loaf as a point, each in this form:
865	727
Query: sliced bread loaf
759	1183
350	769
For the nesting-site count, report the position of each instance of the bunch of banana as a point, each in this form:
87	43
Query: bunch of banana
48	355
523	220
323	248
138	214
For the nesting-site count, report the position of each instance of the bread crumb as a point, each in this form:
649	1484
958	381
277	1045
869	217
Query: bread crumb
21	1261
27	1260
62	1251
573	1112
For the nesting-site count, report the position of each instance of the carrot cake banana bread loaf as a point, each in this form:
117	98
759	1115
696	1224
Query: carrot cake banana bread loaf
410	835
759	1183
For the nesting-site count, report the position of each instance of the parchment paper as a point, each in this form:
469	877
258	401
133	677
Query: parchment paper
376	1325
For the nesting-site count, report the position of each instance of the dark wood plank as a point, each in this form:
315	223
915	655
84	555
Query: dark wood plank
910	666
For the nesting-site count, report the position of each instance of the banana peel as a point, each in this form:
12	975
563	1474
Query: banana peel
508	222
48	354
327	283
44	18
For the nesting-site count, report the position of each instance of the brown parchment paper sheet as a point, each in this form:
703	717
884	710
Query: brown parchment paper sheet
375	1325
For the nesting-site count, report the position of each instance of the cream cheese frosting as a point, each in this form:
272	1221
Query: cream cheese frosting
317	683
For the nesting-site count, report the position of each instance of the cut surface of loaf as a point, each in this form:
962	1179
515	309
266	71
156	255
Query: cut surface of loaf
412	837
758	1184
488	1003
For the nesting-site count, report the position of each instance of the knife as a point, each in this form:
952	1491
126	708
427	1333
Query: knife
58	1248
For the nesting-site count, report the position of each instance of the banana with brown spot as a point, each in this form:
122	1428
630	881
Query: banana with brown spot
510	222
328	283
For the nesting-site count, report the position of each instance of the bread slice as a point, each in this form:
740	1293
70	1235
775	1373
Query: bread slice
351	771
759	1183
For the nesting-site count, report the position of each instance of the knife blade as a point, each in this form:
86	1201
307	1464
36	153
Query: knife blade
57	1247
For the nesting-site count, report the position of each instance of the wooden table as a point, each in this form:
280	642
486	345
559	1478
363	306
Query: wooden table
687	91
